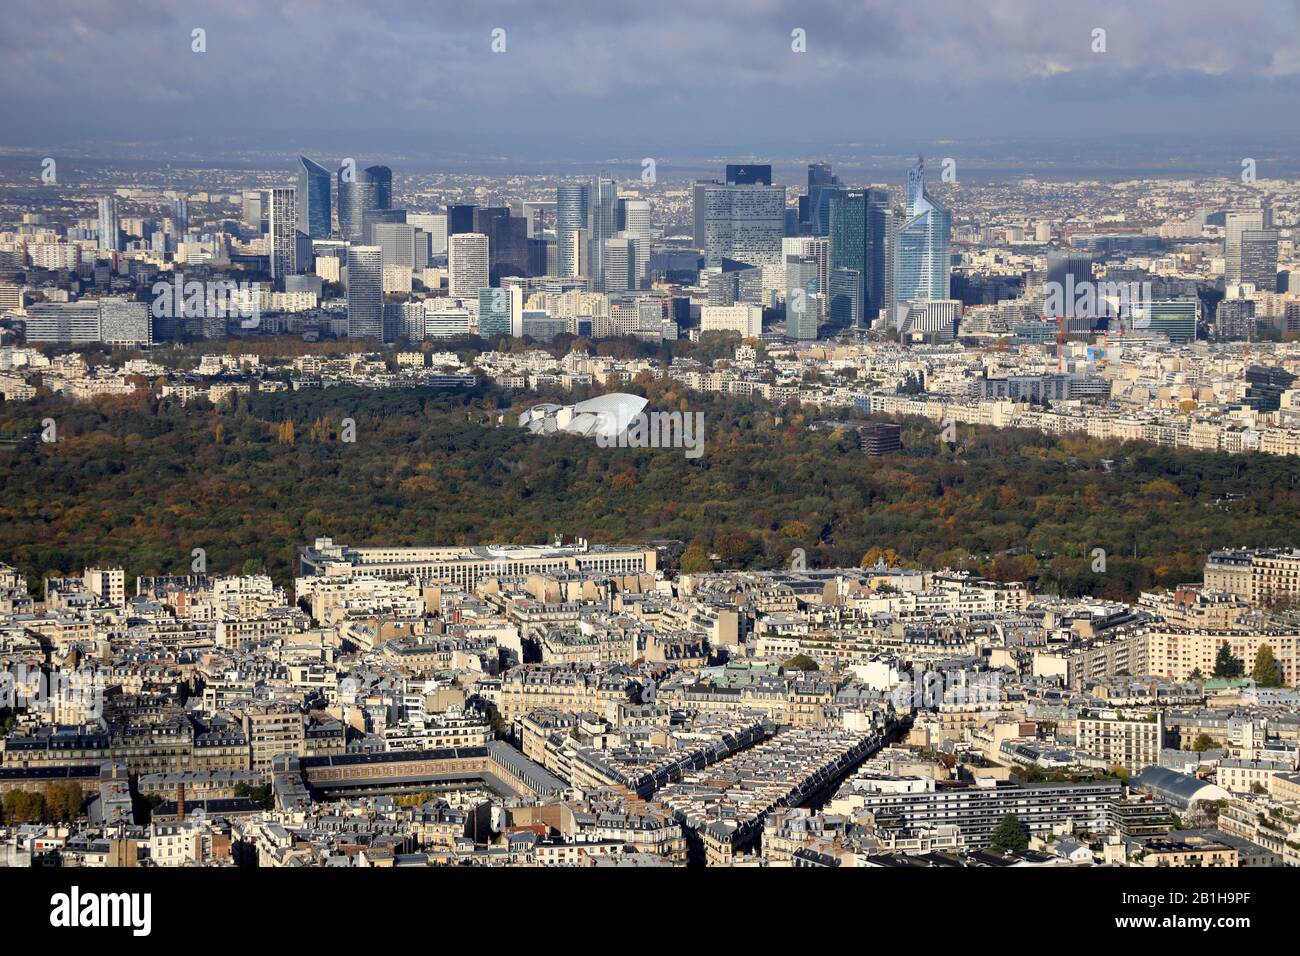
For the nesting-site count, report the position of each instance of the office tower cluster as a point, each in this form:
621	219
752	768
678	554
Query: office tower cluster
594	256
601	237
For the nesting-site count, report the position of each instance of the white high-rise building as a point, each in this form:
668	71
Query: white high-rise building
620	262
467	264
435	224
1235	224
365	292
109	229
818	248
282	226
638	227
397	240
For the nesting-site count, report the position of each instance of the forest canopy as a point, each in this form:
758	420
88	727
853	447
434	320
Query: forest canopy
138	483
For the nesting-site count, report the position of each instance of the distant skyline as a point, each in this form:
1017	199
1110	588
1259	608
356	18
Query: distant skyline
618	79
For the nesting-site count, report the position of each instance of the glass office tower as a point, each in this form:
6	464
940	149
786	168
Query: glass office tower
570	219
314	217
370	189
921	244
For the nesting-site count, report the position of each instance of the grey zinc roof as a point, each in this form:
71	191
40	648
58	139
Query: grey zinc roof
1179	788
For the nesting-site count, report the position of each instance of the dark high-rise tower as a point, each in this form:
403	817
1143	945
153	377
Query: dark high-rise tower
460	218
858	223
749	175
181	216
507	242
814	206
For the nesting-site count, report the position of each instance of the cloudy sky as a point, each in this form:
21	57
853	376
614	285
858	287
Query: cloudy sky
626	77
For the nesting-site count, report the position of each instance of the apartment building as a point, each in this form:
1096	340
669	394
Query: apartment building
1131	740
978	809
1257	576
1177	653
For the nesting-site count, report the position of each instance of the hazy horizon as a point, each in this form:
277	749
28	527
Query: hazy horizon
624	80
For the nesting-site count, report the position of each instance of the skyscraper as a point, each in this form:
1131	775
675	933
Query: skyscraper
435	225
1068	274
1234	225
619	258
814	206
700	209
507	242
602	202
860	232
366	189
365	292
637	226
396	241
804	296
371	218
110	236
467	264
921	244
755	174
253	209
181	216
743	222
570	217
314	219
282	227
1259	258
460	218
844	299
494	312
815	246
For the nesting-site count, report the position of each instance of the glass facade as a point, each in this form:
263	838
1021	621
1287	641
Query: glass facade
314	218
921	244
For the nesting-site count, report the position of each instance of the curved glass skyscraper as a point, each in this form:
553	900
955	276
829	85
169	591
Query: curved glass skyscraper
371	188
313	199
921	244
570	220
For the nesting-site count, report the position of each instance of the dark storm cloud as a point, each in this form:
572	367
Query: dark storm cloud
667	73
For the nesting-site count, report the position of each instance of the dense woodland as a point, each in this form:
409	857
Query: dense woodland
138	483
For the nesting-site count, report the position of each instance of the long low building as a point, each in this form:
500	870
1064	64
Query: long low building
466	566
977	810
497	767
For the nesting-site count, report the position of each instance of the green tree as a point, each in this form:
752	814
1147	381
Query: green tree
801	662
1266	672
1203	742
1010	835
1226	664
696	559
261	795
23	807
